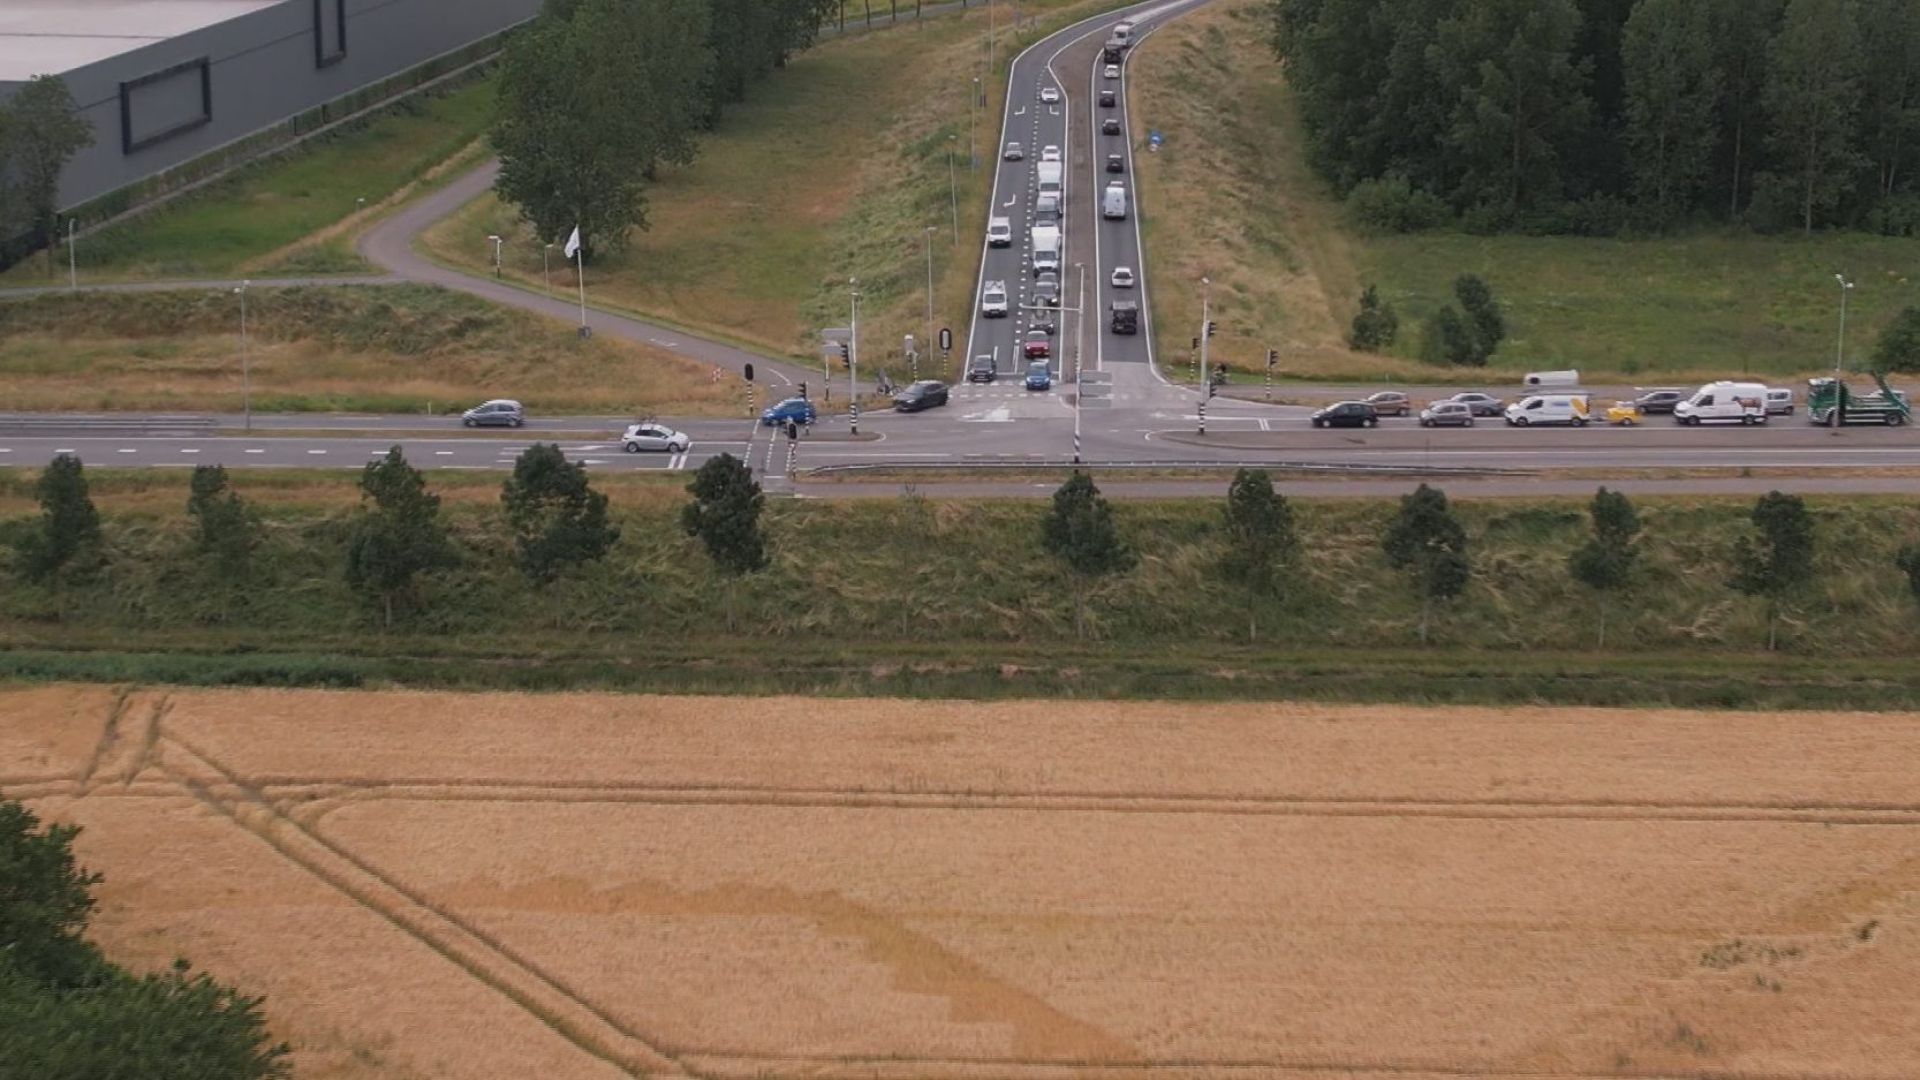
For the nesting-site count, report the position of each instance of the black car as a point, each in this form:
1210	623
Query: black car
1046	289
1126	317
1116	163
1481	404
1109	126
1346	414
982	369
1107	100
1043	320
924	394
1655	402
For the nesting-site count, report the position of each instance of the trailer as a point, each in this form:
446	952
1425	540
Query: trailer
1883	406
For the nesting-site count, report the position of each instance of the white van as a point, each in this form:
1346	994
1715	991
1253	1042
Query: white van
1046	248
1048	176
1548	409
1740	402
1046	209
993	300
999	232
1123	33
1563	379
1113	202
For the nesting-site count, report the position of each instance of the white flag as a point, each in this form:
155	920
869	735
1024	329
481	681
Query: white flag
573	242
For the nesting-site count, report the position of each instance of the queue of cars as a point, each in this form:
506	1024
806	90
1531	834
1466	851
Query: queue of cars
1724	401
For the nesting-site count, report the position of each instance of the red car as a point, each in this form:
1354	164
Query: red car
1037	346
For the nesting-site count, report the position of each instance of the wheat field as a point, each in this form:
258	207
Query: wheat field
443	885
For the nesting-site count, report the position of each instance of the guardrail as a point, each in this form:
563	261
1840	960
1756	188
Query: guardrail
43	423
1009	465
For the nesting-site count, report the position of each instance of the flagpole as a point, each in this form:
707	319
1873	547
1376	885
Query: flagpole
580	269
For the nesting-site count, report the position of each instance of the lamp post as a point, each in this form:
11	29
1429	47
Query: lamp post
73	265
953	193
853	357
973	106
1079	354
495	241
926	237
1839	352
1205	286
246	375
546	267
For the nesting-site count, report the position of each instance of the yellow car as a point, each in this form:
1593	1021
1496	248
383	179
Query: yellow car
1624	413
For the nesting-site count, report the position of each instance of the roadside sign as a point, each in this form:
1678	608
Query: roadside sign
946	340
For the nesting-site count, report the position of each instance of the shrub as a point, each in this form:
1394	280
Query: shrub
1393	204
1448	339
1899	346
1895	215
1376	326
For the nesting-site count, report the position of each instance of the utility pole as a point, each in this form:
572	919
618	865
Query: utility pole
853	358
73	266
973	106
953	191
1079	354
246	376
546	267
1205	371
926	238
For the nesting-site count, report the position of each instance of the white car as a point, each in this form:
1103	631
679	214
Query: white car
1049	152
1112	72
1014	152
654	437
1123	277
1049	95
993	300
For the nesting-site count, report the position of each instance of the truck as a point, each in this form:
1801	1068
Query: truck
1110	52
1884	406
1048	174
1126	317
1046	248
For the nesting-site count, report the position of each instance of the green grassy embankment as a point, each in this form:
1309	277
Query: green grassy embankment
1231	197
913	596
403	348
296	213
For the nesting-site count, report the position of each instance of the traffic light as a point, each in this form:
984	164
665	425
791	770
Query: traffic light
803	391
1211	327
846	354
1273	357
1196	343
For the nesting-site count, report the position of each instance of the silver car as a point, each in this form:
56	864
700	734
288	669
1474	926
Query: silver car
1014	152
500	412
654	437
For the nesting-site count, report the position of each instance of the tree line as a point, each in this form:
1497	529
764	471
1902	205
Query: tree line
1598	116
67	1013
596	96
558	523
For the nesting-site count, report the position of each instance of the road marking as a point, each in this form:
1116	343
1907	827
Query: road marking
63	449
663	344
189	451
256	451
5	450
1263	425
124	450
319	452
443	453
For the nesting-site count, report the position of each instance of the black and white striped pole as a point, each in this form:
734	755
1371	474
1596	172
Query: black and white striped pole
1203	415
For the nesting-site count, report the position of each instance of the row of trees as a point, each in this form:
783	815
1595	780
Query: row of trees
1593	115
559	522
40	130
66	1013
596	96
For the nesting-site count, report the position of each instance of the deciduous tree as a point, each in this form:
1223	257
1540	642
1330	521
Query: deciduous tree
1890	108
1427	542
1742	30
398	535
558	519
1672	91
1812	97
1778	559
1080	532
45	899
69	533
226	530
1605	562
44	130
1375	326
1262	546
1484	317
725	517
1899	346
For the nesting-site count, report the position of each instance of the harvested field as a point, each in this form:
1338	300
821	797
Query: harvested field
441	885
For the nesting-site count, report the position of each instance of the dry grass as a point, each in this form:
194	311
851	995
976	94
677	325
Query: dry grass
883	888
1229	196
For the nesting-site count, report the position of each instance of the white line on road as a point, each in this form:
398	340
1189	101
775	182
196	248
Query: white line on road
443	453
320	452
256	451
189	450
125	450
1263	425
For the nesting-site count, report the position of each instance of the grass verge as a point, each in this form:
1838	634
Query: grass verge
298	213
1231	197
403	348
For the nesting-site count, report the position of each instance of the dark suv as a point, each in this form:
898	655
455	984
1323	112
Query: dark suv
982	369
1126	317
1656	402
1346	414
924	394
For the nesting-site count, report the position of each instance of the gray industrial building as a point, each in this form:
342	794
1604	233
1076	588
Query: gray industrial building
167	81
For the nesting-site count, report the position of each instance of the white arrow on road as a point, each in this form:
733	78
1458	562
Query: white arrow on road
1001	415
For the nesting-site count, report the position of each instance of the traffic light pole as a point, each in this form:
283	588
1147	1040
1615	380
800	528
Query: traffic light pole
1206	331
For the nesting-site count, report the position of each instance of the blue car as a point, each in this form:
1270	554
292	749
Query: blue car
797	409
1039	376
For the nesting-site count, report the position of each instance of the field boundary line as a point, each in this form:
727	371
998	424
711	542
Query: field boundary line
471	951
109	732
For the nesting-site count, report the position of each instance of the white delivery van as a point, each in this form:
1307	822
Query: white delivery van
999	232
1548	409
1738	402
1046	248
993	300
1560	379
1113	202
1123	33
1048	174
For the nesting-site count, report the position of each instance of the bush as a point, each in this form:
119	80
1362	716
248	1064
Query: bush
1393	204
1899	345
1448	339
1376	326
1896	215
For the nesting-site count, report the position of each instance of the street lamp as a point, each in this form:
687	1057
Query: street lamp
1839	351
853	357
926	237
1079	355
1205	287
953	192
246	375
495	240
546	267
973	106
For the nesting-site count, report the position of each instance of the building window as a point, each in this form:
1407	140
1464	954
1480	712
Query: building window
329	32
165	103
